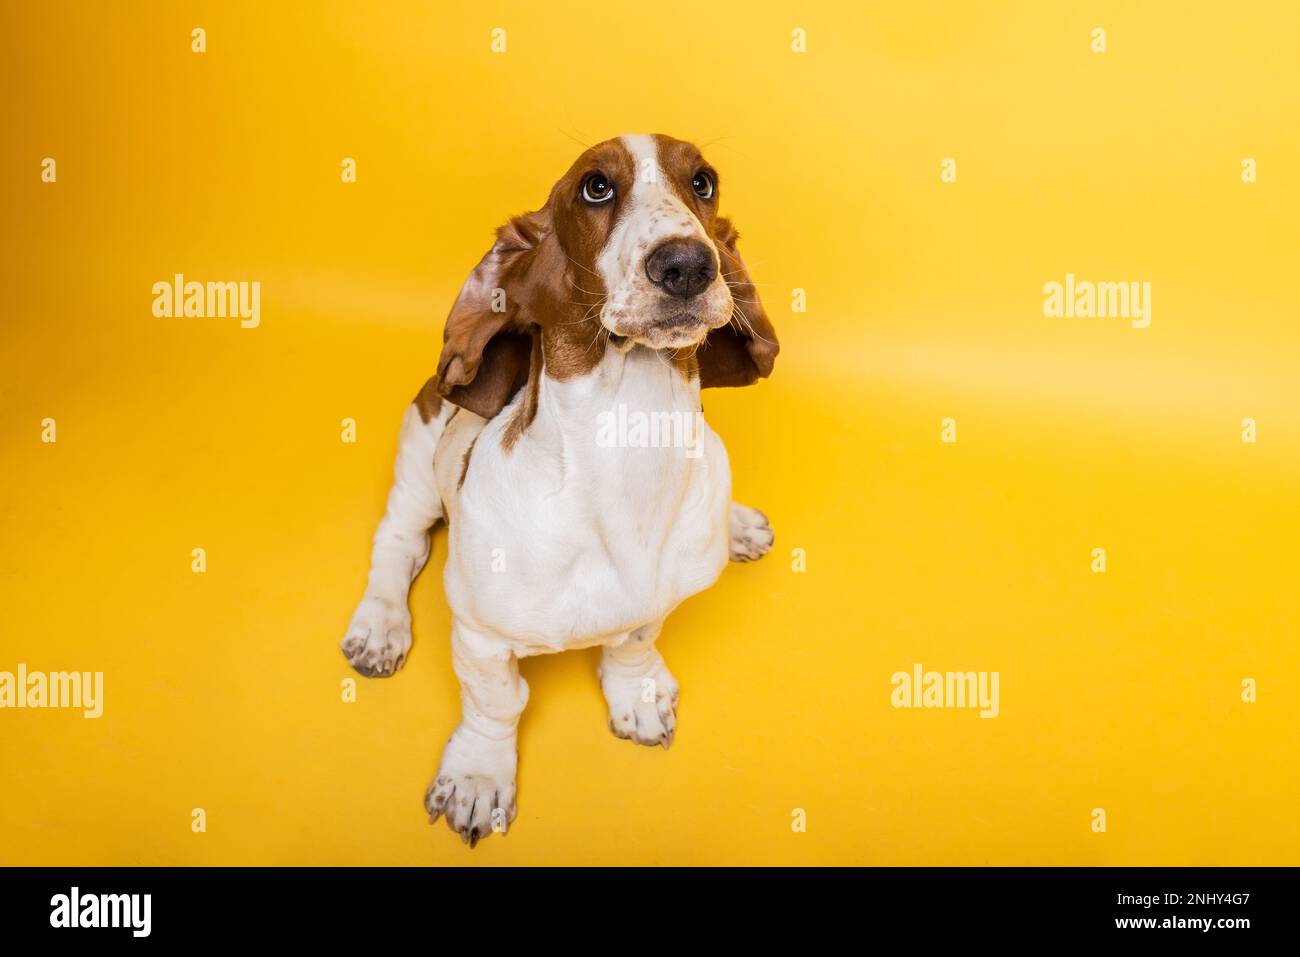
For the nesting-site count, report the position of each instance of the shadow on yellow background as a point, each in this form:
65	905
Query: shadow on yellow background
1121	691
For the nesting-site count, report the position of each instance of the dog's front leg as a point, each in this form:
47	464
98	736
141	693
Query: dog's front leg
475	784
640	690
379	635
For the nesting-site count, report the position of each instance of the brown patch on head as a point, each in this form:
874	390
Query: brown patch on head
680	162
582	227
537	284
574	343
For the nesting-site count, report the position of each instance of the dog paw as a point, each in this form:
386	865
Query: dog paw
642	709
751	534
378	637
475	786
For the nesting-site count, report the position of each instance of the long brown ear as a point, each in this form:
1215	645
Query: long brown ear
744	350
487	341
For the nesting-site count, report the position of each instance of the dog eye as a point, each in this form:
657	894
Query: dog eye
702	183
596	189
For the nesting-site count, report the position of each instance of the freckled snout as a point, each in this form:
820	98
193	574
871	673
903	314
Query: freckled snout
681	267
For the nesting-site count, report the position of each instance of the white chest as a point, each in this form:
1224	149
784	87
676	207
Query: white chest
609	510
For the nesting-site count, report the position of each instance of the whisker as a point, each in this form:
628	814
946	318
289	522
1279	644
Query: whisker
749	326
565	132
587	316
590	292
581	266
744	267
596	338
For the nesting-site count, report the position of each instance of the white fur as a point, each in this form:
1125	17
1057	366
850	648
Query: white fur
561	543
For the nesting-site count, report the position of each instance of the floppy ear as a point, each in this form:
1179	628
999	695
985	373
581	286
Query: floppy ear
487	341
744	350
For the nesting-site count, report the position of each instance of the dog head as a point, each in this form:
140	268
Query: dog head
628	250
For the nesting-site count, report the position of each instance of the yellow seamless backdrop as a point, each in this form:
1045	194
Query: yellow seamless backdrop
1120	691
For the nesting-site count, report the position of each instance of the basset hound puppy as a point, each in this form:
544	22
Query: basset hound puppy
615	303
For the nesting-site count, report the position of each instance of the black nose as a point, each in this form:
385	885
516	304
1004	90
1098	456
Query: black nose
681	267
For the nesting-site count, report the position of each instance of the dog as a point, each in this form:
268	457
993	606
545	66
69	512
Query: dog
623	296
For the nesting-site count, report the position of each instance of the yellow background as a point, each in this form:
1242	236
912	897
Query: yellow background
1119	691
